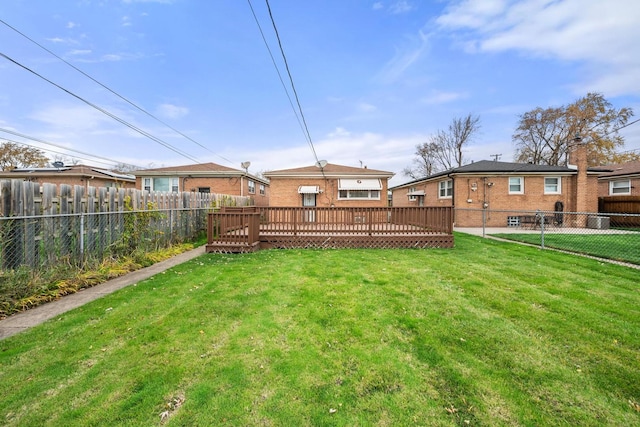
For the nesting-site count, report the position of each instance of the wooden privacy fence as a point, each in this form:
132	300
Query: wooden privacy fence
235	230
621	205
45	225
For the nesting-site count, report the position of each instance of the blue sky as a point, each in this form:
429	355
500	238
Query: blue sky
374	78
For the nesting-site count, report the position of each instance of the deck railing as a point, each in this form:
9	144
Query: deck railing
235	227
356	220
244	226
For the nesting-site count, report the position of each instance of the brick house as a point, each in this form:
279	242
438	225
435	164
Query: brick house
205	178
504	186
621	180
82	175
329	185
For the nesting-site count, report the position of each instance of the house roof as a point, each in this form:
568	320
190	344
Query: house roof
484	167
72	170
208	170
622	170
330	171
198	167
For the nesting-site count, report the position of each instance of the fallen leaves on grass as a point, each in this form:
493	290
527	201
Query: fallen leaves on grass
172	405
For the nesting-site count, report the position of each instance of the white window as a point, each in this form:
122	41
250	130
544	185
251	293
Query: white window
161	184
552	185
262	190
617	188
412	198
445	189
360	189
252	187
359	194
516	185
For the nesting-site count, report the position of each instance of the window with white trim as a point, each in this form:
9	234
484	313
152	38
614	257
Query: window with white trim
445	189
552	185
412	198
252	187
620	188
359	194
262	190
516	185
161	184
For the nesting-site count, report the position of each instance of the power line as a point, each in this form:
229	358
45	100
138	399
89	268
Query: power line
293	87
113	92
273	61
93	156
102	110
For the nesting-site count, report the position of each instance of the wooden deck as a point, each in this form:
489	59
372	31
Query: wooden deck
250	229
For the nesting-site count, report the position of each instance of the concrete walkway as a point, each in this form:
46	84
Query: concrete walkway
27	319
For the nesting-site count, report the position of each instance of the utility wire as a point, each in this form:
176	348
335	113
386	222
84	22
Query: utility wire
112	91
110	161
284	86
293	87
102	110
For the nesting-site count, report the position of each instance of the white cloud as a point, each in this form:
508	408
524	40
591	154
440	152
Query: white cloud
366	107
377	151
401	6
602	36
438	97
79	52
339	132
78	118
172	111
378	5
71	25
126	21
396	67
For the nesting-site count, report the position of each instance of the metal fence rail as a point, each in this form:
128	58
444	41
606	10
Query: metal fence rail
614	236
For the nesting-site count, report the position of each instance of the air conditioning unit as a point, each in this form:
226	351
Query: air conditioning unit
598	222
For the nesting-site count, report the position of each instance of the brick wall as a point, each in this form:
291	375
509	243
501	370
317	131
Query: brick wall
234	186
284	192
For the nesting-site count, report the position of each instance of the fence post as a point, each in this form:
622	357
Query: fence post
540	216
484	221
82	237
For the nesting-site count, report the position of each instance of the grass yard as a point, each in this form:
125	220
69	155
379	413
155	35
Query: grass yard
619	247
487	333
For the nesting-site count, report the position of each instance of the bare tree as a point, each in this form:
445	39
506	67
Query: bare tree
445	149
13	156
424	164
545	136
124	168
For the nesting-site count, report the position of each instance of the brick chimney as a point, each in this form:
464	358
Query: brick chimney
578	160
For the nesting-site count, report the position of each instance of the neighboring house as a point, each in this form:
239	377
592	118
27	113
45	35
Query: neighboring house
503	186
621	180
83	175
329	185
205	178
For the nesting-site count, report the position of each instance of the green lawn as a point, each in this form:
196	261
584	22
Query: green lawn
487	333
619	247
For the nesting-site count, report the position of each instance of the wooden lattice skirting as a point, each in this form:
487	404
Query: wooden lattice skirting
281	241
373	242
235	248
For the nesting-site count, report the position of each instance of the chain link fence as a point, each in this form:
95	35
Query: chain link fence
613	236
44	241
